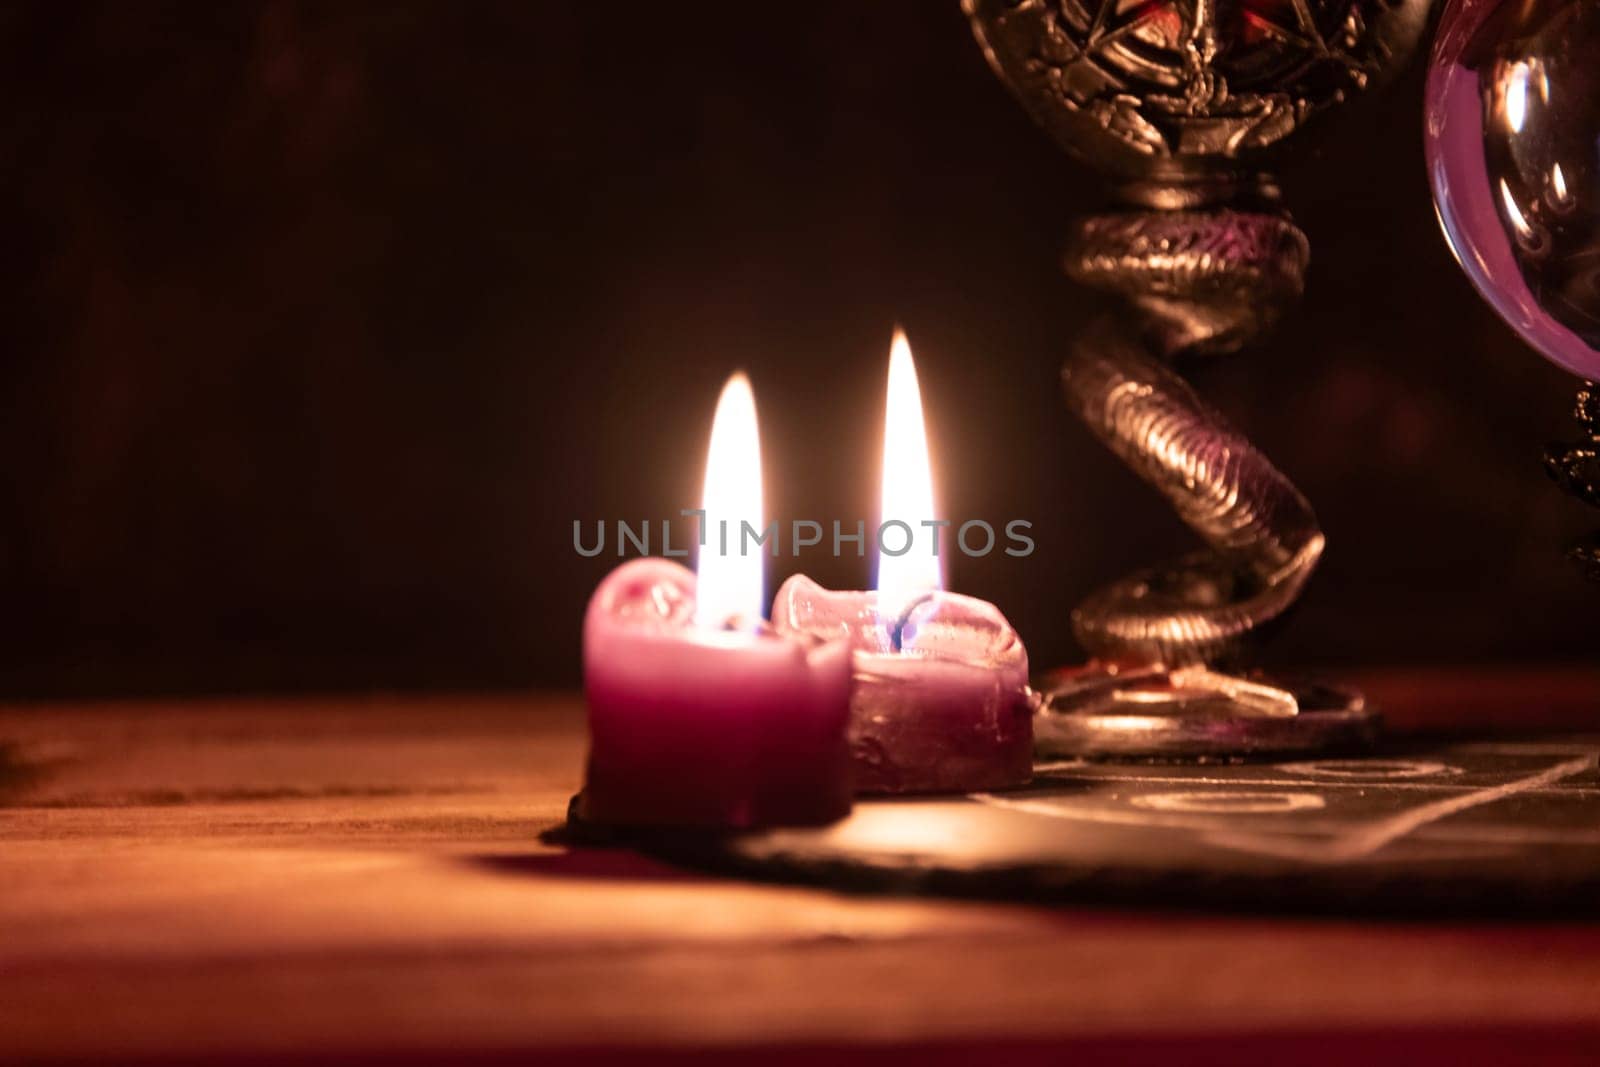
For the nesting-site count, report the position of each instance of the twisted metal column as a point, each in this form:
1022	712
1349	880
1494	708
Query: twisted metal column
1193	284
1197	282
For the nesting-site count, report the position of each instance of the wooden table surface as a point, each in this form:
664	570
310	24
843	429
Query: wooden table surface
363	878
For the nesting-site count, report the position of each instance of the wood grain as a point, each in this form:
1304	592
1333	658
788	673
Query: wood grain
365	877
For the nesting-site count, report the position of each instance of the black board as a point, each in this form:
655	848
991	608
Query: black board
1502	827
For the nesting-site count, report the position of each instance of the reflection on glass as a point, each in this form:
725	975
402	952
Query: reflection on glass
1513	129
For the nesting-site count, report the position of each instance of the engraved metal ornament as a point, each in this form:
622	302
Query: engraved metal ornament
1181	101
1166	88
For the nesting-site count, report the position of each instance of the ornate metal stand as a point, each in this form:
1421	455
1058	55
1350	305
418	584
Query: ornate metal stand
1576	469
1180	101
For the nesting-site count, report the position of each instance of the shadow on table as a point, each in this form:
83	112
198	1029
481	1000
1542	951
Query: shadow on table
608	864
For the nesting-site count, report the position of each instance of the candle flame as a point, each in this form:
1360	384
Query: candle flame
907	493
729	590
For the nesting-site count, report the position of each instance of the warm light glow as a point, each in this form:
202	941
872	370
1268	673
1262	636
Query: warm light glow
730	578
907	494
1517	97
1558	184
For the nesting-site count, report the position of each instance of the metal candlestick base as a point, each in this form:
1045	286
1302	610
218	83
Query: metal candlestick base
1194	713
1182	102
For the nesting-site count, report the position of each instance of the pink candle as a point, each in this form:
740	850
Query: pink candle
940	701
700	714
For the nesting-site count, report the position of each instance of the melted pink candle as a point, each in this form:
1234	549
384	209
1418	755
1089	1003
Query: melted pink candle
692	726
940	701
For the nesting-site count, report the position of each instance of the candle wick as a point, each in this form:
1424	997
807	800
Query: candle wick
896	628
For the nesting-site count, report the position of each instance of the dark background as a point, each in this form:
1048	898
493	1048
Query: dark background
324	322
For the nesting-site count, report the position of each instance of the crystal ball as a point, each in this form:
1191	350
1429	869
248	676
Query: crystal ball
1512	134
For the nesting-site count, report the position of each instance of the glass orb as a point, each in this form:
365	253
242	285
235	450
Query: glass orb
1513	146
